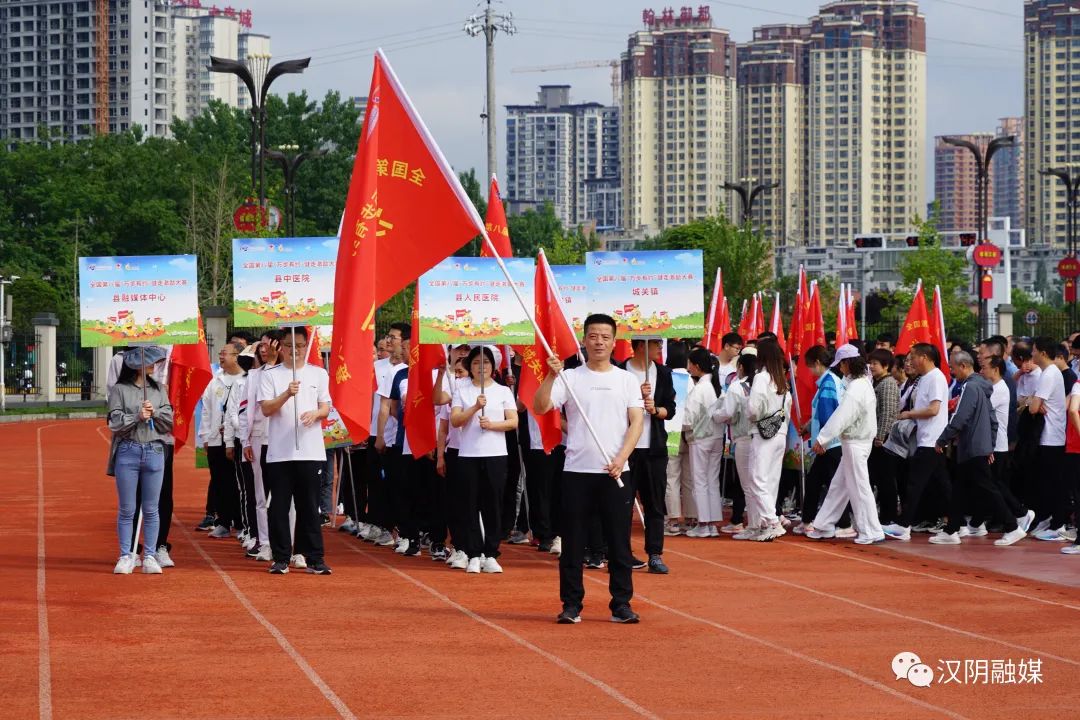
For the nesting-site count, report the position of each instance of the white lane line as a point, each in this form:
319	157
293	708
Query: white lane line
44	653
550	657
305	667
804	546
940	626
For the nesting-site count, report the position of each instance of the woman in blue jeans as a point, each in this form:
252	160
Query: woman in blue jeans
140	416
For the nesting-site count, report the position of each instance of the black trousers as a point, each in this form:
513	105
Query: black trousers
411	478
165	505
245	477
925	467
882	468
512	518
584	494
483	480
438	505
1000	472
649	473
818	480
733	489
975	488
1054	489
456	500
225	489
542	473
295	481
380	509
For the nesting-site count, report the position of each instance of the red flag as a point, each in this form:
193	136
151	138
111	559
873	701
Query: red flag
405	211
560	336
916	328
424	361
712	330
776	327
189	374
623	351
813	333
495	222
813	323
802	297
759	315
841	317
852	323
745	323
937	333
314	357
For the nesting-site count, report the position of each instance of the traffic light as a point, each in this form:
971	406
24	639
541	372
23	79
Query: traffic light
871	242
912	240
967	239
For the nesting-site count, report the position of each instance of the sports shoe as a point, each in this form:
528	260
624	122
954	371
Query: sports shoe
1071	550
299	562
657	566
944	538
1011	537
770	532
425	541
279	568
348	526
923	527
402	545
319	568
898	532
749	533
150	566
518	538
569	616
491	565
241	537
968	530
846	533
556	546
730	529
595	561
265	554
863	540
124	565
814	534
637	563
412	549
714	531
1070	535
939	526
385	539
1024	523
698	531
438	552
624	615
672	529
207	523
1044	525
219	531
163	557
250	543
544	547
325	518
460	561
785	522
473	566
1051	535
802	528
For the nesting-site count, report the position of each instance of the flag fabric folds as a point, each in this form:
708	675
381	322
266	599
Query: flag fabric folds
916	328
189	374
495	223
424	362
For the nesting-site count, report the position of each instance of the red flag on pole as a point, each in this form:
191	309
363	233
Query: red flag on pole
314	357
813	333
560	336
745	323
495	222
798	312
776	327
189	374
405	211
424	361
813	322
852	324
714	332
916	328
937	333
841	317
759	315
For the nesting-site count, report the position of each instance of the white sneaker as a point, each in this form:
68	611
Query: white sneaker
556	546
150	566
265	554
163	558
1024	523
814	534
866	540
1011	537
1044	525
299	562
459	560
242	537
730	529
698	531
250	543
1051	535
944	538
749	533
124	565
970	531
897	532
348	526
1071	550
770	532
714	531
491	565
473	565
219	531
1070	535
402	545
385	539
801	529
846	533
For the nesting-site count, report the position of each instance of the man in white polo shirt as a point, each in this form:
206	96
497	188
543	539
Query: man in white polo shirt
294	474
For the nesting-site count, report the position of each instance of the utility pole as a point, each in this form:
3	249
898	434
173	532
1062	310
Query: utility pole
488	24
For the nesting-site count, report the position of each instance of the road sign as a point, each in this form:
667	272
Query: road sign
1031	317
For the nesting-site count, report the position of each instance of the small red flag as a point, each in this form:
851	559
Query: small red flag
759	315
189	374
495	222
776	326
746	322
314	357
852	324
719	317
916	328
937	333
424	361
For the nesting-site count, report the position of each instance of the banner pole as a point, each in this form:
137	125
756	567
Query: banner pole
295	404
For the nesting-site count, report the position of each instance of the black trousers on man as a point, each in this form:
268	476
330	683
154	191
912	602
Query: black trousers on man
542	473
1054	489
882	467
584	494
295	482
926	467
245	478
649	473
974	489
224	486
412	477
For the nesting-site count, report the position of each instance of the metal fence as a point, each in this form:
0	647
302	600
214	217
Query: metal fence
1056	325
20	372
74	369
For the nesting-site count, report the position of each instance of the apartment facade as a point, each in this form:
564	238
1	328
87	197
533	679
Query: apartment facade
679	125
1007	173
955	171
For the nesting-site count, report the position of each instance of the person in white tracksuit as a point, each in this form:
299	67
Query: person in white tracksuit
855	422
705	441
730	410
253	439
769	402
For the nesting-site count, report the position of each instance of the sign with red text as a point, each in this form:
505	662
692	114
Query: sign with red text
467	299
650	293
283	280
573	282
987	255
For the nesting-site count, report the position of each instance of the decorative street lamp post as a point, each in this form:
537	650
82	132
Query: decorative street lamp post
290	163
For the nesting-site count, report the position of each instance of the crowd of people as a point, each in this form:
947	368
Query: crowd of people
890	446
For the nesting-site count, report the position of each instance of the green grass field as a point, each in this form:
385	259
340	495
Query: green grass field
512	334
178	333
684	326
244	317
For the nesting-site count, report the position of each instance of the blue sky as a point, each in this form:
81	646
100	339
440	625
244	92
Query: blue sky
975	55
180	300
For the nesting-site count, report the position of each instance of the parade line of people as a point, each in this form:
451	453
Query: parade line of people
894	448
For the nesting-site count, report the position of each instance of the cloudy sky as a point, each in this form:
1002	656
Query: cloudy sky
975	55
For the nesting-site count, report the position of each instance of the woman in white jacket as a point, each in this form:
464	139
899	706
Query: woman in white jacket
731	410
855	422
705	441
769	405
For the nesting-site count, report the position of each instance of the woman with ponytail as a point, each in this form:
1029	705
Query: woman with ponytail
706	442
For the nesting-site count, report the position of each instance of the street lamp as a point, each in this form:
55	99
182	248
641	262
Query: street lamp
1072	203
5	338
982	203
748	190
258	84
290	163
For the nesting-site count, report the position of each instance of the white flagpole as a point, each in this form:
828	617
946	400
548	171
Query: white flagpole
712	309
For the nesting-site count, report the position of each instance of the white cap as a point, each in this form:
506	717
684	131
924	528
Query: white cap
845	352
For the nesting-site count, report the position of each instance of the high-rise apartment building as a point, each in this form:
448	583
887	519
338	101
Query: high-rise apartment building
955	171
1007	173
679	124
556	151
1052	126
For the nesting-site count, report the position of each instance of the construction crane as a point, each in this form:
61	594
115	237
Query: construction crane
616	73
101	109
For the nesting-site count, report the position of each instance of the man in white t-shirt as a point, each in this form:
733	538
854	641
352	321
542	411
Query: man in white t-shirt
610	398
930	411
1053	493
383	434
295	398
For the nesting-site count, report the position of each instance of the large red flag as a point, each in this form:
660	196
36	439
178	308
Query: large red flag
813	333
776	326
424	361
813	323
405	211
759	315
937	333
189	374
916	327
719	317
560	336
495	222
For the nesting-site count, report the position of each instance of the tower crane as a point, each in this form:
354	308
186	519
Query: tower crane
615	65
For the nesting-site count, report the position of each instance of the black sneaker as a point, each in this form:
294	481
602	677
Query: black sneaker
413	550
623	614
279	568
637	563
595	561
319	568
438	552
325	519
569	616
207	524
254	551
657	566
544	547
